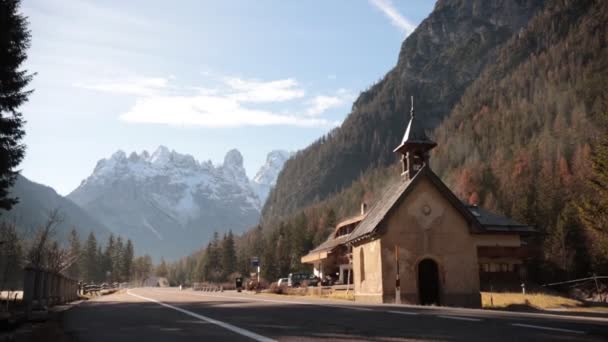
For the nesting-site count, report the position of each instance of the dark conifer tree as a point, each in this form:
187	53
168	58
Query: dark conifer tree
228	256
14	41
75	255
89	265
127	261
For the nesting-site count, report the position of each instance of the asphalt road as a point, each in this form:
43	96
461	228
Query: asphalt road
147	314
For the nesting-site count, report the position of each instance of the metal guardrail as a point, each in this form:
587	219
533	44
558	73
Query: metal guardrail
43	289
578	283
212	287
97	288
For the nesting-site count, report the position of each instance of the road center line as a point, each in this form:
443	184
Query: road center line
348	307
540	327
247	298
403	312
462	318
224	325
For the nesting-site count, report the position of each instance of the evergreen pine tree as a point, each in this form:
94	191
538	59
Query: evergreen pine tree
212	261
161	269
107	258
228	256
199	272
127	261
101	272
90	266
73	270
14	41
117	260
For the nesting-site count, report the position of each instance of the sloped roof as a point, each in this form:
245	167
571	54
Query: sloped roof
393	196
492	222
333	241
350	220
330	243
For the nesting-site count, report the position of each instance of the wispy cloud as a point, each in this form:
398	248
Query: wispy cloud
322	103
226	104
140	86
398	20
210	111
258	91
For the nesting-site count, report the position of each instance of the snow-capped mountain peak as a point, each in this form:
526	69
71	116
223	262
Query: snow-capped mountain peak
155	197
233	166
266	177
161	156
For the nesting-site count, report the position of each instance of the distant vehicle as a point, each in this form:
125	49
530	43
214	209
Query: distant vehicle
298	279
313	281
283	282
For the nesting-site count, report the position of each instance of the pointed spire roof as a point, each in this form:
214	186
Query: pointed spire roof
414	134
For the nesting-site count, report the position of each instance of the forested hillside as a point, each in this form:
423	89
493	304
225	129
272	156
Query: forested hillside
436	64
527	138
520	139
36	201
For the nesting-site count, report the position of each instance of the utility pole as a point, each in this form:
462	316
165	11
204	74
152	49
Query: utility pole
597	287
397	282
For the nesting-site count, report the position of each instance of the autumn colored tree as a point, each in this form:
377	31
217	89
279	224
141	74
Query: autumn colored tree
594	209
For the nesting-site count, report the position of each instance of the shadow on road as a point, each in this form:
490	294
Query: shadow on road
149	321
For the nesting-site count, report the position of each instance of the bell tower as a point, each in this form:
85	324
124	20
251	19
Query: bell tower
414	148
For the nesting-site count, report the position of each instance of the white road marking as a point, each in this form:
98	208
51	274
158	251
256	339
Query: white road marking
403	312
224	325
547	328
170	329
348	307
462	318
253	299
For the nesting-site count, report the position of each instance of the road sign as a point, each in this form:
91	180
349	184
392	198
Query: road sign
255	261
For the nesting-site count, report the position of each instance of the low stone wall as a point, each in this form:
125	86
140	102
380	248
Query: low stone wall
322	291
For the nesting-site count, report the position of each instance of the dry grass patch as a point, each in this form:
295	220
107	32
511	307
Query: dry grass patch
342	295
503	300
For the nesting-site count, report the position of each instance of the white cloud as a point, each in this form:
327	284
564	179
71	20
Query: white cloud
398	20
140	86
210	111
320	104
259	91
226	104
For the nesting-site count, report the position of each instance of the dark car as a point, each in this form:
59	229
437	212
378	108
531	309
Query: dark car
298	279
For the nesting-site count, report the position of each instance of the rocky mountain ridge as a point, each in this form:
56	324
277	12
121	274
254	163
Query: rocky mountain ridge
437	62
166	199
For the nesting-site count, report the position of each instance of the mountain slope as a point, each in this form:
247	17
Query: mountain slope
520	139
169	203
36	201
436	64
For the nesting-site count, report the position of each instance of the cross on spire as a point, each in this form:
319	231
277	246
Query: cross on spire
412	109
415	146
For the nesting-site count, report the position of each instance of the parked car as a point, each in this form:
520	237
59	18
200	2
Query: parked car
282	282
298	279
313	281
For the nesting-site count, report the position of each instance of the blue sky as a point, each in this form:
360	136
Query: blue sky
200	77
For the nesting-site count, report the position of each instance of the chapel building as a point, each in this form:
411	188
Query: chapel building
419	243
